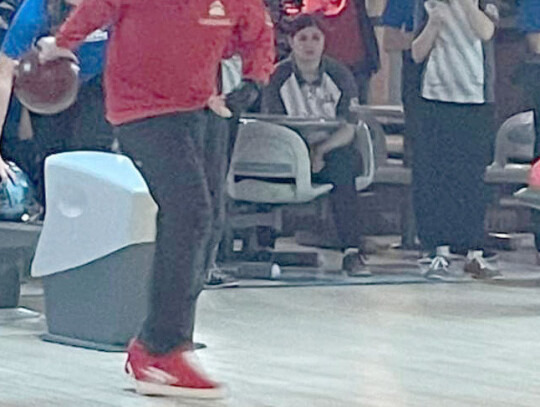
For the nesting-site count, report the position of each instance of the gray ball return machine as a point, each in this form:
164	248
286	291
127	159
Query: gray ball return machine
95	251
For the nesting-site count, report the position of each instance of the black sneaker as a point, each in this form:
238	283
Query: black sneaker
355	265
217	278
478	266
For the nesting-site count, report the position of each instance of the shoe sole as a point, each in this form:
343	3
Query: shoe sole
482	274
155	389
487	277
222	285
433	276
436	277
365	274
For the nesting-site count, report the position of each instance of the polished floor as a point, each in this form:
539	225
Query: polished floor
470	344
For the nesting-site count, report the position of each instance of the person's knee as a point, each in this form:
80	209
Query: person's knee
340	169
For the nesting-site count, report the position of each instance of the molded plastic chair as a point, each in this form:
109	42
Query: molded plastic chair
270	164
364	144
514	148
386	171
393	177
271	167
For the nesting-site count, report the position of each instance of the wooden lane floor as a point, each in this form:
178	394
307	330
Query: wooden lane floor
471	344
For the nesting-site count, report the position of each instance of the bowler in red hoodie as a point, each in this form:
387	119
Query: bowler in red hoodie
160	77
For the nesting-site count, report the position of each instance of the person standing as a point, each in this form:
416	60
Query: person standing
81	126
162	64
529	23
398	22
455	142
218	146
10	145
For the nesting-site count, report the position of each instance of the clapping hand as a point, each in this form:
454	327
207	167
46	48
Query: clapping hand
437	11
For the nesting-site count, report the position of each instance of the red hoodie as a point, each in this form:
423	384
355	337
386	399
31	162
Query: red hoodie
163	55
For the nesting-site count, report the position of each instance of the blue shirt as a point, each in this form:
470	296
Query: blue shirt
529	15
32	22
399	14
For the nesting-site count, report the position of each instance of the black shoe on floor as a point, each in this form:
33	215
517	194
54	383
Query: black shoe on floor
355	265
217	278
480	267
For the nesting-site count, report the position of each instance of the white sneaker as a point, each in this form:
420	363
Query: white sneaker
438	267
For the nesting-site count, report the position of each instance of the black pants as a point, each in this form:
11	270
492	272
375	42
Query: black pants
362	80
342	165
450	156
169	151
80	127
217	151
411	74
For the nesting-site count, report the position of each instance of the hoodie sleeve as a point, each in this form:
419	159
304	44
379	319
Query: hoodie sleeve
89	16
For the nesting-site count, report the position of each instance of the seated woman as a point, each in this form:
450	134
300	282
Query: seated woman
309	84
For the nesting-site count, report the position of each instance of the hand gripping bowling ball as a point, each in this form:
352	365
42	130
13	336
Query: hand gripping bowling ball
46	88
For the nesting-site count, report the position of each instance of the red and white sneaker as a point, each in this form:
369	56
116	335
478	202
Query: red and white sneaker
174	374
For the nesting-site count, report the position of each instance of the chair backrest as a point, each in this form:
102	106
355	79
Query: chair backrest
364	144
515	140
270	163
387	171
377	136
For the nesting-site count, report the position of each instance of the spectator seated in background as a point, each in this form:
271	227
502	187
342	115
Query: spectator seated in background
349	34
309	84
